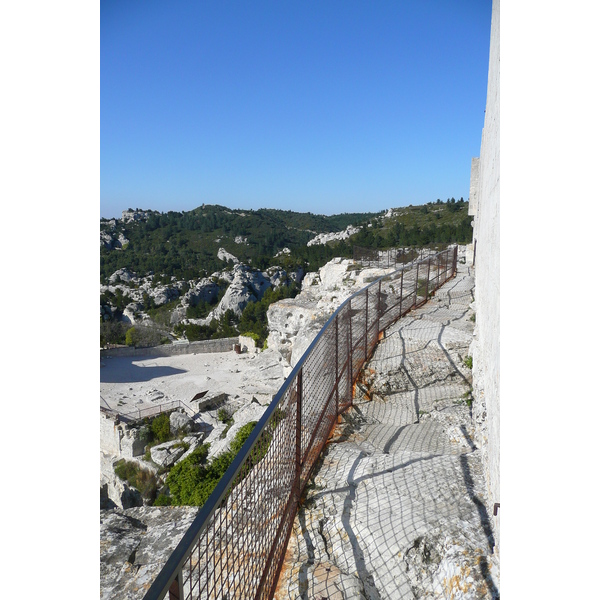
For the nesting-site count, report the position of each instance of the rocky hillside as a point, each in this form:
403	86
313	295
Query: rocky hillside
192	274
195	243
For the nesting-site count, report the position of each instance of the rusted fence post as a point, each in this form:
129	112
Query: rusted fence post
416	285
366	321
428	271
337	368
401	291
350	349
298	436
455	260
378	308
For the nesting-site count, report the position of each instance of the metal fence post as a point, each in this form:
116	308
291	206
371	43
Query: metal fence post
298	435
337	368
428	270
176	589
416	284
401	290
366	321
455	260
378	308
350	349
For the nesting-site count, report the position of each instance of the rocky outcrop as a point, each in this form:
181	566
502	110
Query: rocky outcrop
222	254
110	238
248	285
130	216
122	275
323	238
295	322
167	454
242	283
134	546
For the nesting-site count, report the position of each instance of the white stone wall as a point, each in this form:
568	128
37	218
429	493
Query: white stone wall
486	237
110	435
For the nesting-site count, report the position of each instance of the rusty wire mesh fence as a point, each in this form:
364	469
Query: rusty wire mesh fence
235	547
392	257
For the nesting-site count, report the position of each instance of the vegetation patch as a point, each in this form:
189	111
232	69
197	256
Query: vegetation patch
136	477
192	480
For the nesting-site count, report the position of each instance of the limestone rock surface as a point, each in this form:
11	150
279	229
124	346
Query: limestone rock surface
134	546
295	322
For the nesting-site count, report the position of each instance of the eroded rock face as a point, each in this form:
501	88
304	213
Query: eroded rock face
122	275
295	322
247	286
323	238
179	421
222	254
134	546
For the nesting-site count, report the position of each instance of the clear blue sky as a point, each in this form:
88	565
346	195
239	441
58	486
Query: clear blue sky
328	106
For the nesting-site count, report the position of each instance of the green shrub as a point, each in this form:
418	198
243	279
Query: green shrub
192	481
241	436
161	428
162	500
142	480
252	335
224	416
130	337
468	362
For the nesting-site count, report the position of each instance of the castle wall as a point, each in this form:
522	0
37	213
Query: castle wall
485	182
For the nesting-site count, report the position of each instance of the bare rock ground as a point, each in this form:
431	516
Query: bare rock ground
397	507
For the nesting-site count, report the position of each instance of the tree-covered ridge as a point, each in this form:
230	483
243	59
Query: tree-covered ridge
185	244
432	223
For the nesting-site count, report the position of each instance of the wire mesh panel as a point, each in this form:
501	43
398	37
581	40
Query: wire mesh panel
235	547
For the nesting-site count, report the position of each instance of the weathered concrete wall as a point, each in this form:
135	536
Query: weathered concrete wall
486	236
117	439
222	345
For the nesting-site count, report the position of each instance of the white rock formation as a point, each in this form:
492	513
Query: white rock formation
128	216
226	256
323	238
294	322
122	275
247	286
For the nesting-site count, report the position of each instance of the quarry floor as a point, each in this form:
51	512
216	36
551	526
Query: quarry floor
127	384
396	508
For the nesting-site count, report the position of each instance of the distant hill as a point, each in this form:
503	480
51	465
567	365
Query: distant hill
432	223
186	244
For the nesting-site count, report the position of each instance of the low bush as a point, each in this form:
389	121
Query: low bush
192	480
161	428
142	480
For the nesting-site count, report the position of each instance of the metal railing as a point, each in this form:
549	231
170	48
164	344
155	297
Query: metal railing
385	259
236	545
392	257
150	411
